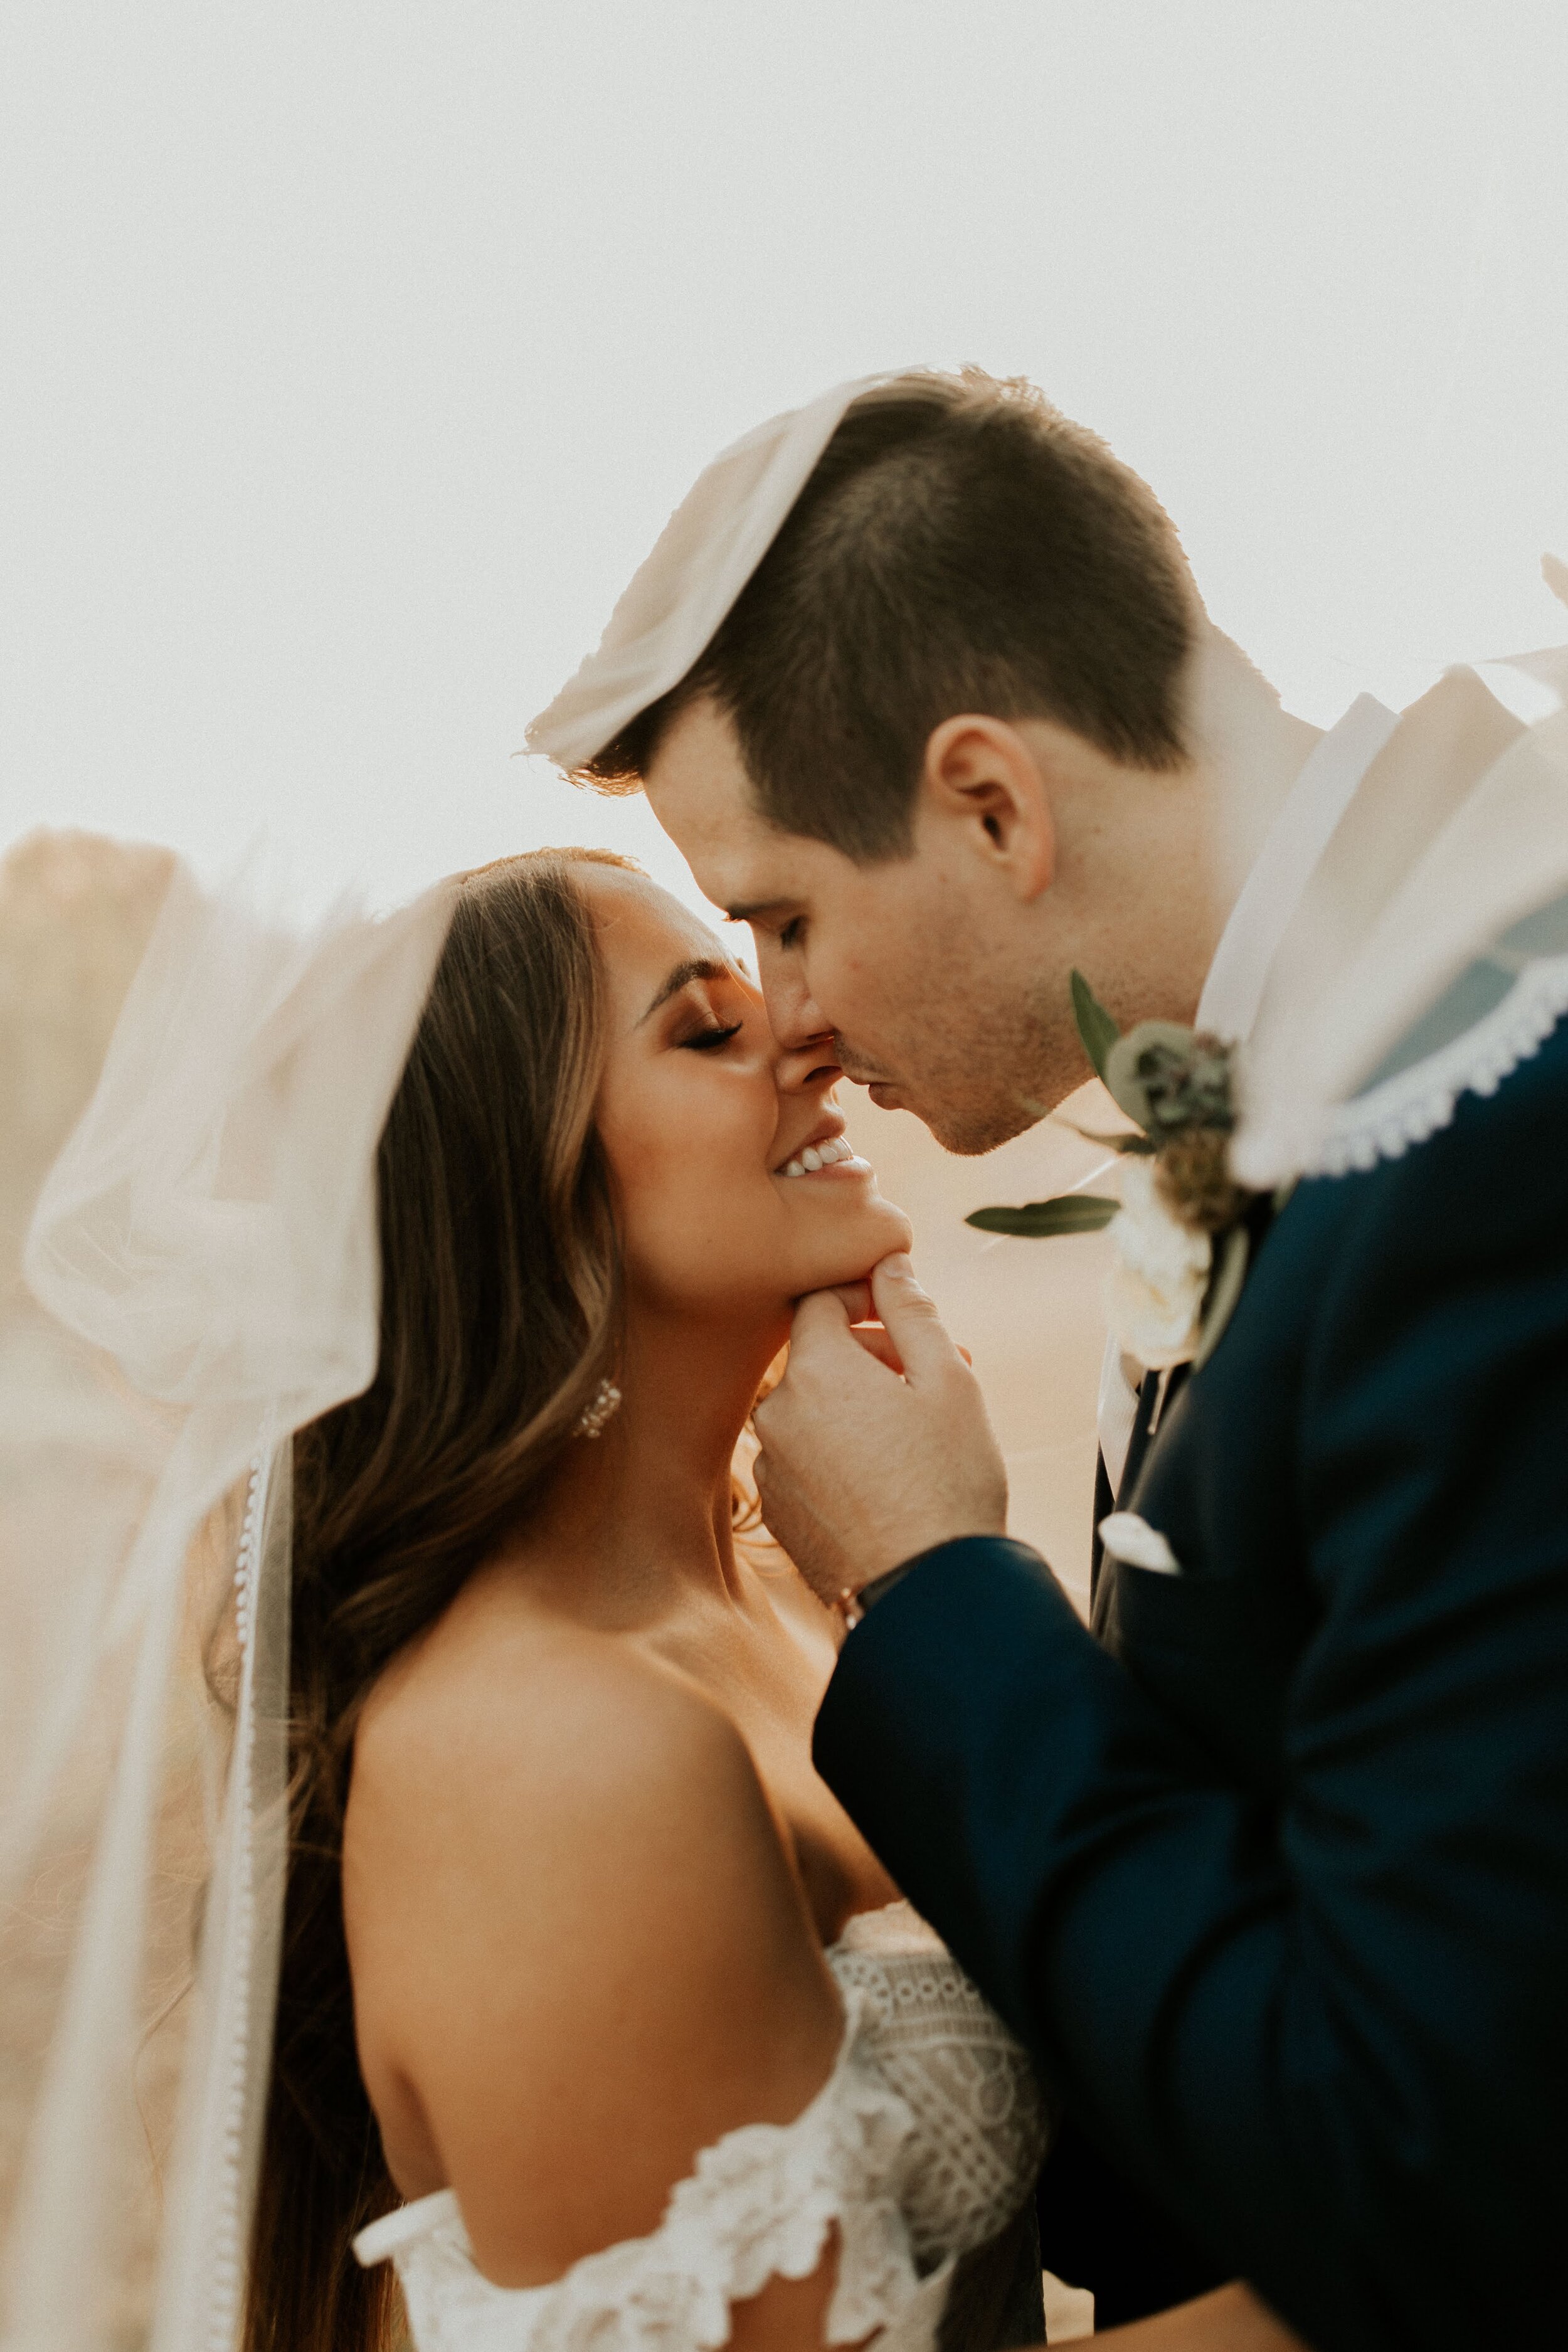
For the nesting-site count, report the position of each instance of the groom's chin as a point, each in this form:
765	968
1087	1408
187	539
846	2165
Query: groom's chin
969	1129
965	1124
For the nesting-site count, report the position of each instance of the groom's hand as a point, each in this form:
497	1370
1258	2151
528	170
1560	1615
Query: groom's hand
864	1465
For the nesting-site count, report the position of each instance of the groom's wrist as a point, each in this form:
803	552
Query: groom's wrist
856	1605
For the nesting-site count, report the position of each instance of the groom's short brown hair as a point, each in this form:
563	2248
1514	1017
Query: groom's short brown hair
962	546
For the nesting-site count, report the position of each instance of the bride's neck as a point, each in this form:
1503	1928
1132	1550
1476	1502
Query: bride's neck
643	1510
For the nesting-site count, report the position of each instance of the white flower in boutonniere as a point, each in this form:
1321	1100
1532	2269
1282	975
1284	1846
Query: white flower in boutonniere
1154	1291
1179	1229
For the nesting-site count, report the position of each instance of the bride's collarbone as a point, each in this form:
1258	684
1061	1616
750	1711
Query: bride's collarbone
767	1676
505	1657
837	1871
838	1880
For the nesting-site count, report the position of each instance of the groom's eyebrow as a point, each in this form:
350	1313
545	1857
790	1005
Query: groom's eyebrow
758	910
694	968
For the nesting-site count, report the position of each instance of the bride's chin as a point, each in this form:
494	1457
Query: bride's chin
872	1239
893	1232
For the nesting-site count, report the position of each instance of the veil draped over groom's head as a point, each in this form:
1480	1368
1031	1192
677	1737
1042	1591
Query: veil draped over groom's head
853	572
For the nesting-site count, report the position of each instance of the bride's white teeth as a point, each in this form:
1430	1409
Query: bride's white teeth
834	1153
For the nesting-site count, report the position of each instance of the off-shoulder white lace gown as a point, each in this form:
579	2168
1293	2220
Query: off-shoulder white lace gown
923	2147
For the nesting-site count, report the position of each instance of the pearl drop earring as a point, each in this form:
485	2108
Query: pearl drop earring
596	1418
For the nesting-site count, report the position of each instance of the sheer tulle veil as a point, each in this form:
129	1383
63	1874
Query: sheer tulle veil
205	1249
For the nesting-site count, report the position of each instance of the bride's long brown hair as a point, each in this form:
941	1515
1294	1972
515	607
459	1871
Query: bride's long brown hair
498	1314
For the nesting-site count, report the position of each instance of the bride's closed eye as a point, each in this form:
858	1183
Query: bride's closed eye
708	1040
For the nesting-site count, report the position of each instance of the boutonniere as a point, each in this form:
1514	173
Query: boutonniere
1178	1229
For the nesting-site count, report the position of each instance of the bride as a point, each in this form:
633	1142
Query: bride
596	2022
570	1919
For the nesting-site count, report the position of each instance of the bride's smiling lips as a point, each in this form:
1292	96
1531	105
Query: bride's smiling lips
823	1151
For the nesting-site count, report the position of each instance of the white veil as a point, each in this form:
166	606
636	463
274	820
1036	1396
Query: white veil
205	1248
1457	836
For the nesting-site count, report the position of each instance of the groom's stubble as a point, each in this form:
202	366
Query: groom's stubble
971	1100
962	557
941	1000
984	1058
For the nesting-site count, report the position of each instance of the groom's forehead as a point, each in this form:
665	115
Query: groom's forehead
699	790
699	768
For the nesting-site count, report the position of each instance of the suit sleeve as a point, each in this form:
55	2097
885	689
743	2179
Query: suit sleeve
1328	2029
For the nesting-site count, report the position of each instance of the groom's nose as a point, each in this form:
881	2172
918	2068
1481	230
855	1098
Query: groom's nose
794	1018
813	1064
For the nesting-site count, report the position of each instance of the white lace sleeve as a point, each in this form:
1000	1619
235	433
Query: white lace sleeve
758	2204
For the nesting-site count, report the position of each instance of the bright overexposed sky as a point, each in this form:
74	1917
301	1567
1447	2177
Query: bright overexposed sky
353	354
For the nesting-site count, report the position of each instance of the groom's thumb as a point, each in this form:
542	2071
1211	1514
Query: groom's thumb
910	1320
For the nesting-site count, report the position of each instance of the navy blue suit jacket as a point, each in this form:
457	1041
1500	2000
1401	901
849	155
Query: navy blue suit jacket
1274	1877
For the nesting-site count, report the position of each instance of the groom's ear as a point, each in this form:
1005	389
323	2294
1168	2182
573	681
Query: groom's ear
981	776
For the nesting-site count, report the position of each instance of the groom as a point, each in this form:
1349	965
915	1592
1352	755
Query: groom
1272	1870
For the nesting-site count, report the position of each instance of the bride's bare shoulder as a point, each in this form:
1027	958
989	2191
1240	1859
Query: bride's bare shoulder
539	1718
517	1744
574	1925
533	1709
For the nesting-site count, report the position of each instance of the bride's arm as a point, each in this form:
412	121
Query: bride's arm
581	1954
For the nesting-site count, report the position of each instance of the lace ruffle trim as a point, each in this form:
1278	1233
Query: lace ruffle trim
1416	1103
759	2203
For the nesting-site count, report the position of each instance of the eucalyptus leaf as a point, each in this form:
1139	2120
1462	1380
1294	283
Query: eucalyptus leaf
1140	1145
1070	1213
1095	1026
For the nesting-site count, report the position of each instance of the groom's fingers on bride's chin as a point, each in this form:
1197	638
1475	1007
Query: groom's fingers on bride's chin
876	1342
820	1315
856	1298
873	1337
910	1314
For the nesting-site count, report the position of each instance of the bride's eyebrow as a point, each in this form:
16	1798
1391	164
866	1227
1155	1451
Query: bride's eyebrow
694	968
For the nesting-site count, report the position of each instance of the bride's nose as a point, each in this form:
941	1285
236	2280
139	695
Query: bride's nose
809	1067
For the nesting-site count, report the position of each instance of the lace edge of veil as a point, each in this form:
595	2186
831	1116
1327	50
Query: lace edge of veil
1417	1103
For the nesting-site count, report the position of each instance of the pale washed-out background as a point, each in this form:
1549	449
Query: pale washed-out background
355	355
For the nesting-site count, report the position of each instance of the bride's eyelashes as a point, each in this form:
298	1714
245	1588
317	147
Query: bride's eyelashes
707	1041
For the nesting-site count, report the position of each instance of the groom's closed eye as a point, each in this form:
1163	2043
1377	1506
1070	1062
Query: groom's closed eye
773	916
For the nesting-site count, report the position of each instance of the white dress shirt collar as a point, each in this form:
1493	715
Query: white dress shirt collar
1273	890
1330	778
